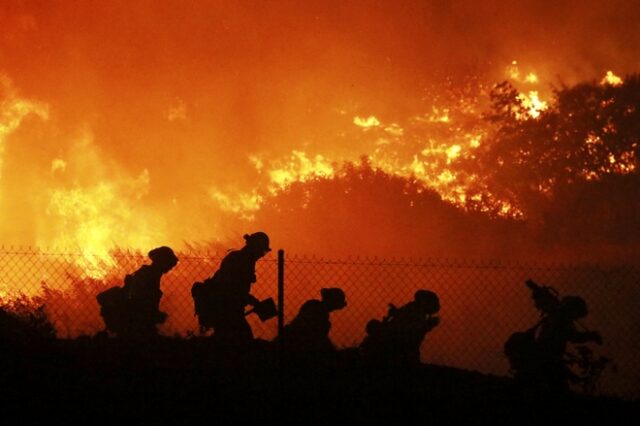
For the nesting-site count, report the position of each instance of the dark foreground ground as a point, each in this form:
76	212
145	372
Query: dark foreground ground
193	381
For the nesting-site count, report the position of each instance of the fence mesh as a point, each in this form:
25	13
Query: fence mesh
482	303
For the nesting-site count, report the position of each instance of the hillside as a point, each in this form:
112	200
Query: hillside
184	381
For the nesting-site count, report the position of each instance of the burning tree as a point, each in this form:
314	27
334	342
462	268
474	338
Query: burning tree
578	157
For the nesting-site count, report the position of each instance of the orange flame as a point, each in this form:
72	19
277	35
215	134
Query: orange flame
91	207
300	168
611	79
513	72
533	104
93	203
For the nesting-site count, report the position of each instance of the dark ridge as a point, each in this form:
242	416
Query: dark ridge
180	381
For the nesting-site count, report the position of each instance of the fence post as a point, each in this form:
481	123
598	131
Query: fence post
280	347
280	295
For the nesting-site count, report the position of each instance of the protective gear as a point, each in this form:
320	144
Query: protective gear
574	306
163	255
258	240
334	296
428	300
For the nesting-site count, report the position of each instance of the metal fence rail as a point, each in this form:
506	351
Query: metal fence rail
482	302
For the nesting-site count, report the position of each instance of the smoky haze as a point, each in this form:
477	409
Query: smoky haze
155	106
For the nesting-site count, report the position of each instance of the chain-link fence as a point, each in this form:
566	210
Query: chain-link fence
482	302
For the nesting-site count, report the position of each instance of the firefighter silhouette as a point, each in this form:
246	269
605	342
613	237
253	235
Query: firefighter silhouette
133	310
229	292
538	356
395	340
306	337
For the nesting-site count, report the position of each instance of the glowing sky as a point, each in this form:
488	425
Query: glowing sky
144	119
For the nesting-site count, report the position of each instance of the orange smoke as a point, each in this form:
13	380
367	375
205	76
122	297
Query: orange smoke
137	125
91	203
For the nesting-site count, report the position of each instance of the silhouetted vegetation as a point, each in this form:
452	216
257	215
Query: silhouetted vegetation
358	203
24	318
572	171
173	379
573	168
588	131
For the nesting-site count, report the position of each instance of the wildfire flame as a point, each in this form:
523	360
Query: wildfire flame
367	122
431	160
300	168
611	79
129	126
533	104
93	204
513	73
